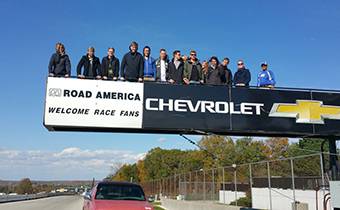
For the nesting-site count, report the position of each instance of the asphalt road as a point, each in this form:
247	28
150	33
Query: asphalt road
52	203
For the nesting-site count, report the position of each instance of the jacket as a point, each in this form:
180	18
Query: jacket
228	76
215	76
242	76
85	62
59	65
114	62
158	70
132	66
149	67
265	78
188	69
176	74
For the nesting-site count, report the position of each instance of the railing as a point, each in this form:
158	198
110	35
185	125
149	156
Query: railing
16	198
250	87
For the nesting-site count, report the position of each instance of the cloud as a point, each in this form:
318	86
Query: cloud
161	139
69	163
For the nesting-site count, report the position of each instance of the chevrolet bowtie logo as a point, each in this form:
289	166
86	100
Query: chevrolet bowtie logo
306	111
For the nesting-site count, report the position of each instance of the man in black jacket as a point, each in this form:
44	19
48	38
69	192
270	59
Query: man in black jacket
176	67
59	64
228	76
110	65
132	67
242	76
91	65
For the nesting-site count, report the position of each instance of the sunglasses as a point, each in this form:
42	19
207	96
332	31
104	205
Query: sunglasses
193	54
240	64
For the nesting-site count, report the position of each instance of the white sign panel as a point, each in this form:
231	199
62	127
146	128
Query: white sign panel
93	103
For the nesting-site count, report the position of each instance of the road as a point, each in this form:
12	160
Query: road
52	203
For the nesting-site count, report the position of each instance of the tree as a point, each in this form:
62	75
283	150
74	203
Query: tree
24	187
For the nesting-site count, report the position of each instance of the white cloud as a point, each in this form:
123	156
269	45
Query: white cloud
70	163
161	139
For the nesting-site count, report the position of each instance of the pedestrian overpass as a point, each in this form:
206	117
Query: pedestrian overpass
107	106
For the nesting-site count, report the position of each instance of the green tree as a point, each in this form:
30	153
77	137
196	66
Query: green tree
24	187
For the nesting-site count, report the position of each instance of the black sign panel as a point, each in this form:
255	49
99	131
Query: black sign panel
184	108
263	123
240	111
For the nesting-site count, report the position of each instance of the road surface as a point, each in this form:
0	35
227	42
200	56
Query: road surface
52	203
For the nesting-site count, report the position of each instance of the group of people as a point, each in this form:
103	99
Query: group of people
137	67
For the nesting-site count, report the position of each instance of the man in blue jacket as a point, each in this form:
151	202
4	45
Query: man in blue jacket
242	76
266	77
149	65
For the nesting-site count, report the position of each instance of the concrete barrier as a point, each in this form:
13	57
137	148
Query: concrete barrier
170	204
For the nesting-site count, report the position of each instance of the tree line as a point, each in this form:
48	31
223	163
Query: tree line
219	151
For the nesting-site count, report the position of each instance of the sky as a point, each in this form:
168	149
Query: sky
299	39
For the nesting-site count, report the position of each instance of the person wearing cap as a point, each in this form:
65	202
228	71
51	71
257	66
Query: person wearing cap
132	66
242	76
149	65
266	77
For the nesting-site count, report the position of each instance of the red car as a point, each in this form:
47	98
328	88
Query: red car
116	196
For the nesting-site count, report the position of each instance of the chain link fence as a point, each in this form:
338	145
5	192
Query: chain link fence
275	184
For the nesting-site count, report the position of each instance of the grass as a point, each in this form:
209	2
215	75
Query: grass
156	206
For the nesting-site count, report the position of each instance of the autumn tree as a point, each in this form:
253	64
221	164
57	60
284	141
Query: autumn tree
24	187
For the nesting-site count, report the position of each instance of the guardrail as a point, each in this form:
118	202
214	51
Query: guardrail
16	198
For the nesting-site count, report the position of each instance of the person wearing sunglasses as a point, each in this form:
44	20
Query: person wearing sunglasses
242	76
192	70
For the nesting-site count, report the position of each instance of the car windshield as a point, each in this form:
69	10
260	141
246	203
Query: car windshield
119	192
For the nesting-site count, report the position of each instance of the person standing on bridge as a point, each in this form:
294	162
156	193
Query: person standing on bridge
132	67
59	65
192	70
91	65
242	76
266	77
228	76
110	65
215	72
149	65
162	67
176	67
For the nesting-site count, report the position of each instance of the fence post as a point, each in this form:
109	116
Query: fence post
293	182
251	183
213	184
235	182
204	196
223	184
322	175
269	186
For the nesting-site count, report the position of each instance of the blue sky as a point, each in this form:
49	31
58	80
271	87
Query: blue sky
299	39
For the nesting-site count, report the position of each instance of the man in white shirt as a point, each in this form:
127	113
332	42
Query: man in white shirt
162	66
